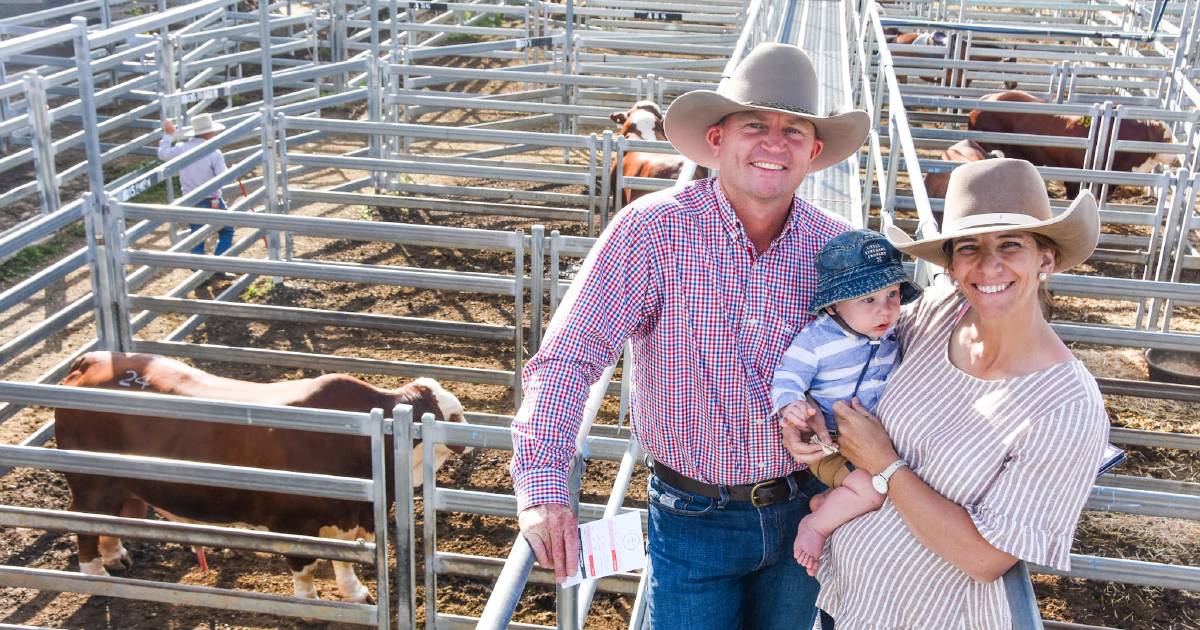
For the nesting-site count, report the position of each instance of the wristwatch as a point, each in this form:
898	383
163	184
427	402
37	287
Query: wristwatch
880	481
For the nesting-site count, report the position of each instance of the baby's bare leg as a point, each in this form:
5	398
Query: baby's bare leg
853	498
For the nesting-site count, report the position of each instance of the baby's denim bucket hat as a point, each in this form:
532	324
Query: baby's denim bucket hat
858	263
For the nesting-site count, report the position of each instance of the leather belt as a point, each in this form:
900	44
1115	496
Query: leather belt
759	494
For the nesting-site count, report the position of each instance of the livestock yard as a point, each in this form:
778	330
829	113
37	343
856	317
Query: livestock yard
413	185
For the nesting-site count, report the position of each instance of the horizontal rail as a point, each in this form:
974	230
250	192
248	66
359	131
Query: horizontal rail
186	594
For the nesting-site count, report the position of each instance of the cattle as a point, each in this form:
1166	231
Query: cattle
961	151
894	35
234	445
1062	125
644	121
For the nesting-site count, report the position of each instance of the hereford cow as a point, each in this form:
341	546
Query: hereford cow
961	151
937	37
234	445
644	121
1061	125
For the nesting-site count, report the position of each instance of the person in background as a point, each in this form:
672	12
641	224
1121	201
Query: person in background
197	173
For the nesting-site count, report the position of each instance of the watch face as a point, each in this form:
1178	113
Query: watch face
880	484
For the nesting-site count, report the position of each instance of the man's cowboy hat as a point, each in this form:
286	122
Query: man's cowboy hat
772	78
1001	195
202	123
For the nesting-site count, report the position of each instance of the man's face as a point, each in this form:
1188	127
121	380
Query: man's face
763	156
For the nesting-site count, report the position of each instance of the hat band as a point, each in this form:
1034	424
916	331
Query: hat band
990	219
774	105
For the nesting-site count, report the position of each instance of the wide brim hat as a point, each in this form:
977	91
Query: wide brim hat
202	123
1003	195
855	264
774	78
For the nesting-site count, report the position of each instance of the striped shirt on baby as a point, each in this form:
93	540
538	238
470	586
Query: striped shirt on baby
827	361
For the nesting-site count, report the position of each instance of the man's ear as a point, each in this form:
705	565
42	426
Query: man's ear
818	146
617	117
713	136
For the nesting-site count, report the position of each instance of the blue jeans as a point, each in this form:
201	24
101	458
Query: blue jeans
224	235
724	564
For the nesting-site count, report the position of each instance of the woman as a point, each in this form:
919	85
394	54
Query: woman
989	432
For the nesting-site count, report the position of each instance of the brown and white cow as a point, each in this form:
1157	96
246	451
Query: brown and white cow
893	35
962	151
235	445
1062	125
644	121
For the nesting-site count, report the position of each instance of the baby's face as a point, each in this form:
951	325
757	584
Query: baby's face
872	314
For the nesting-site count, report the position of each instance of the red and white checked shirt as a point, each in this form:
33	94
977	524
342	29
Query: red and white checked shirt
675	273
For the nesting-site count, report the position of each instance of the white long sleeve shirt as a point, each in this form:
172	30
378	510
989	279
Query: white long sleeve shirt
197	173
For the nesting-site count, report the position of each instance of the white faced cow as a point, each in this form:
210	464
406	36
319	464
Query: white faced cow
235	445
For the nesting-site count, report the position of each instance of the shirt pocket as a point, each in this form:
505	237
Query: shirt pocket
769	339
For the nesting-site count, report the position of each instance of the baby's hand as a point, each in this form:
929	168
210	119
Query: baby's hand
798	412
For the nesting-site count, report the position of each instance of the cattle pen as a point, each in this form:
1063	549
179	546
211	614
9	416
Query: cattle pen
412	186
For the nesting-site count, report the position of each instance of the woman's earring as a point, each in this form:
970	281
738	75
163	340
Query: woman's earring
1043	276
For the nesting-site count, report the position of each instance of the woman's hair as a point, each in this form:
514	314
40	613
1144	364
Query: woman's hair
1045	298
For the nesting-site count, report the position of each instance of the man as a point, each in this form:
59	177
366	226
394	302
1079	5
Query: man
710	281
197	173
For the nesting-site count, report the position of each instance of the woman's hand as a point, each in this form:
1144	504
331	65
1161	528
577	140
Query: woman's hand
861	437
798	424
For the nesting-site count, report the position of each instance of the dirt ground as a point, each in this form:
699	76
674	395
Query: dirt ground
1080	601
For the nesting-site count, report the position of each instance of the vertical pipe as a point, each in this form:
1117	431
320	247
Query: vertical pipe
113	228
169	107
5	108
92	222
374	30
518	315
430	437
43	142
264	40
566	599
285	201
537	272
379	493
374	94
555	273
270	188
87	101
406	565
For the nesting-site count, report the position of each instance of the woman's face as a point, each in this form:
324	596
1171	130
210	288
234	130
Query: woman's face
998	271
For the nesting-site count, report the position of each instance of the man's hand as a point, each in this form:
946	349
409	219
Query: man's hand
169	128
553	534
798	426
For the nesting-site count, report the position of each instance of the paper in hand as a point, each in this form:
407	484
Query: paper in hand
609	546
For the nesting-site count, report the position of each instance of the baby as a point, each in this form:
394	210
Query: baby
846	352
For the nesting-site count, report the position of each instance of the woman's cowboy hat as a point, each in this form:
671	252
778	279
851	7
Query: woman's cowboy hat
772	78
202	123
1000	195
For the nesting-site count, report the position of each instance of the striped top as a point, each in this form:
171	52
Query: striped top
708	317
1019	454
827	360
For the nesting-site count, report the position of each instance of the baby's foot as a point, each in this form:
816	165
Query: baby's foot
808	546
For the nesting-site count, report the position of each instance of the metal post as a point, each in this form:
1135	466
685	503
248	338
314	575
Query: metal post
537	272
97	255
270	188
406	565
43	142
111	263
5	108
168	107
285	201
264	38
567	598
375	30
518	316
374	105
555	253
87	101
430	437
380	513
